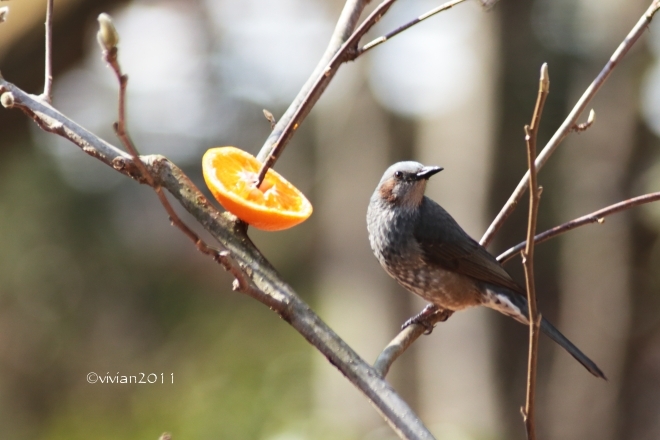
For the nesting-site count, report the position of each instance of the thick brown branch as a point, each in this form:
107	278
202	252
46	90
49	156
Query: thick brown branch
594	217
268	286
571	119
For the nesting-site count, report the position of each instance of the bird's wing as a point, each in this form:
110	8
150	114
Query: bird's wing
450	247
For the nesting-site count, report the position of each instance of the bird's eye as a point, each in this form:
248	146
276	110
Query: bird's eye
398	174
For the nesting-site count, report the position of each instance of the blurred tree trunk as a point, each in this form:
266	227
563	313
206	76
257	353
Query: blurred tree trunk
639	403
456	363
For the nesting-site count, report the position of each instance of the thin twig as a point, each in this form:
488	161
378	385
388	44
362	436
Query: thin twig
111	57
48	70
268	286
571	119
380	40
531	132
594	217
406	337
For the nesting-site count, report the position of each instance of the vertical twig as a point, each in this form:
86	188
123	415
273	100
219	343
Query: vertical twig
48	80
531	132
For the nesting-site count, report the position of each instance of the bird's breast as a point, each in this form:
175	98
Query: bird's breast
393	243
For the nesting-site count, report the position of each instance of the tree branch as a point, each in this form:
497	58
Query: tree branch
48	70
108	38
594	217
531	132
571	119
347	22
407	336
316	85
268	287
299	109
380	40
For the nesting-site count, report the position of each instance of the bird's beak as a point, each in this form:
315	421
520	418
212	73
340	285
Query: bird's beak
427	172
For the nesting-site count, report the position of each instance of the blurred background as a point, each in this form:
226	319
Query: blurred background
94	279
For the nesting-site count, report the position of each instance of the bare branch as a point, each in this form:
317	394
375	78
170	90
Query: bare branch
531	132
298	110
347	22
407	336
108	39
48	70
325	72
268	286
380	40
594	217
571	119
313	89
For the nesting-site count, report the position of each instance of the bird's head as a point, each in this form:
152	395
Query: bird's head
403	184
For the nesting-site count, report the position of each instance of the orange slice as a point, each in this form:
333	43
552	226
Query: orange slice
231	175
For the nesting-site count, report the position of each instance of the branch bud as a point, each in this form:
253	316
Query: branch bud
592	117
107	34
544	83
270	118
7	100
4	11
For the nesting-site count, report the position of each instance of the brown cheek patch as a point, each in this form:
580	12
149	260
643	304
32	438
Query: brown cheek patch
387	191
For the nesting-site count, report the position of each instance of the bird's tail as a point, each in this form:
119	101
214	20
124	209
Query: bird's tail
515	305
560	339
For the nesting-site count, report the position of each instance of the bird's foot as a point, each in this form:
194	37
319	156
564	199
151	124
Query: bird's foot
428	318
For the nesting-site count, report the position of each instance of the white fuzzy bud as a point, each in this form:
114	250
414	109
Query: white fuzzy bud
107	35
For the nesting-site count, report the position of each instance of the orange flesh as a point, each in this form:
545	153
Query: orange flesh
231	175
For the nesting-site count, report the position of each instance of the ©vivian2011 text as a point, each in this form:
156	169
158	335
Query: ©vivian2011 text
148	378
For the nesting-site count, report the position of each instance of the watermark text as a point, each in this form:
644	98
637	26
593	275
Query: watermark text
139	378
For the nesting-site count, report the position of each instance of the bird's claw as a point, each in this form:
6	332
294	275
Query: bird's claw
421	321
428	317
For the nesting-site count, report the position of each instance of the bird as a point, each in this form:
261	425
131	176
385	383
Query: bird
424	249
